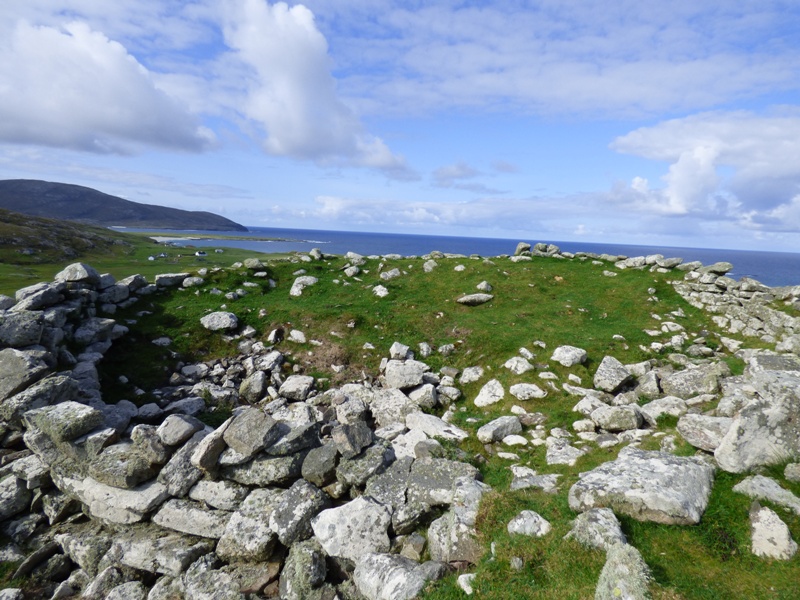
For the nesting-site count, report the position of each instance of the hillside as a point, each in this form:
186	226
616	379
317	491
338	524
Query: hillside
86	205
340	426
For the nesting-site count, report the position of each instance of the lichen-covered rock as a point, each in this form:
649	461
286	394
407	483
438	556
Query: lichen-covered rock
18	370
496	430
64	422
453	537
475	299
569	356
597	528
404	374
648	486
354	529
611	375
394	577
529	523
491	393
625	576
293	512
770	536
703	431
694	381
220	321
247	535
617	418
767	430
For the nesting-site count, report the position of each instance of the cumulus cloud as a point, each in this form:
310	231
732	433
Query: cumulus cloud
736	165
290	92
73	87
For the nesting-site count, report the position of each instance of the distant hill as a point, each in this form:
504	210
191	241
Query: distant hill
86	205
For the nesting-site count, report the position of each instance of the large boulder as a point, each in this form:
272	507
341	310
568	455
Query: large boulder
767	430
625	576
648	486
695	380
20	329
569	355
703	431
404	374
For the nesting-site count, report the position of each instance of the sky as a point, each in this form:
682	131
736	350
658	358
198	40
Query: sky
628	122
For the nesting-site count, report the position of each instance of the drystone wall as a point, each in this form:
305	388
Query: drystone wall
303	494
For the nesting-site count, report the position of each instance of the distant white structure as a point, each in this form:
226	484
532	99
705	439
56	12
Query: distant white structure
200	253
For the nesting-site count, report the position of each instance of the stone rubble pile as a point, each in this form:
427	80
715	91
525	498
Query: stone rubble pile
344	493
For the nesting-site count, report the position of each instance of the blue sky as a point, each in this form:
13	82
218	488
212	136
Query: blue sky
674	124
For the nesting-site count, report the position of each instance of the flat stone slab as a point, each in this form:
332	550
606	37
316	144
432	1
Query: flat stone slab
475	299
151	549
190	517
648	486
760	487
354	529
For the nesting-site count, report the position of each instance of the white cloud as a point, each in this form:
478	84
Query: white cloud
73	87
290	91
626	58
723	164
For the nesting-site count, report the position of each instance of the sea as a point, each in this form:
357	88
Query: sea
770	268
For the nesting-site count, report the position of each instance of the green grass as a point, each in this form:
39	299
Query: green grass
553	301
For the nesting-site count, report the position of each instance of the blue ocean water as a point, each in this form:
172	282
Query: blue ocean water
770	268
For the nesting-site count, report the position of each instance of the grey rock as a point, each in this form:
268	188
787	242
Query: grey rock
432	480
424	396
179	474
453	537
192	518
529	523
390	406
569	356
110	504
86	548
625	575
526	391
51	390
394	577
170	279
435	427
207	451
648	486
668	405
64	422
295	437
224	494
292	515
122	465
38	296
470	375
177	429
404	374
304	572
105	581
390	487
156	551
597	528
18	370
94	330
357	471
15	497
767	430
297	387
496	430
491	393
247	535
611	375
518	365
250	431
220	321
132	590
475	299
561	452
20	329
263	471
770	536
350	440
694	381
702	431
525	477
301	283
354	529
254	387
760	487
78	272
617	418
319	465
204	580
